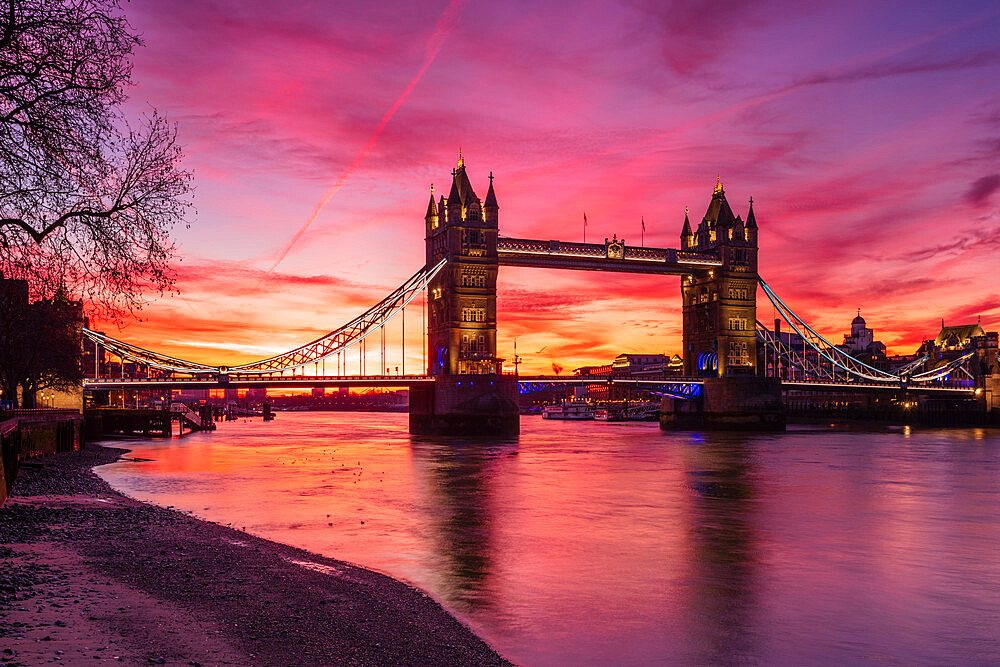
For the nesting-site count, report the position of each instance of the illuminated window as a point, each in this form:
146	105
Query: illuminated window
473	314
739	354
737	324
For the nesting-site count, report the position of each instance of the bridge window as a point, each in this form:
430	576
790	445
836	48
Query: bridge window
472	343
740	255
473	314
739	354
473	280
473	237
738	293
737	324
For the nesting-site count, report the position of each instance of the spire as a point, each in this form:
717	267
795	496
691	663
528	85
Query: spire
461	193
491	198
751	218
431	206
687	238
718	185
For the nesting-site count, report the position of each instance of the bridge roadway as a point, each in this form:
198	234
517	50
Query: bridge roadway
614	256
869	387
686	386
307	381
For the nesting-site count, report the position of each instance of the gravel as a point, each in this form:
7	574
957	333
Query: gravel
92	576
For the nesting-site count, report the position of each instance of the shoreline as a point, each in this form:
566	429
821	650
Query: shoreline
92	575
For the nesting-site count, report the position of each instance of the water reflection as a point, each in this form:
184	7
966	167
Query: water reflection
456	477
596	544
722	597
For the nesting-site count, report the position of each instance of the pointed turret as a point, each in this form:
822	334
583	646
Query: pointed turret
736	230
687	237
718	218
491	198
455	196
431	217
432	210
751	232
461	197
725	218
490	207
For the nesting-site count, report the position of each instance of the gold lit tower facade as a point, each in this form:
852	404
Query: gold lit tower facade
462	317
720	305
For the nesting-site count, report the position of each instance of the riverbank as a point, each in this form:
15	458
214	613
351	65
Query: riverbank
92	576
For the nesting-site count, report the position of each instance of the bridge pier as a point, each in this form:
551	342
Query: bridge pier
483	405
740	403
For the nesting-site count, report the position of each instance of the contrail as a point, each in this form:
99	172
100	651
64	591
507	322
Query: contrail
441	31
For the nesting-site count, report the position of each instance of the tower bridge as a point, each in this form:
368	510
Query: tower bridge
463	389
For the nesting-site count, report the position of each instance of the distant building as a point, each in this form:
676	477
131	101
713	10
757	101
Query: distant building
645	365
959	340
958	337
861	345
630	366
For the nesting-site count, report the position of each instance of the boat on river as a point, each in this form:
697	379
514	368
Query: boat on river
569	410
638	412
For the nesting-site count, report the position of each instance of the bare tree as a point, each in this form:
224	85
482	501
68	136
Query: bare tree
87	199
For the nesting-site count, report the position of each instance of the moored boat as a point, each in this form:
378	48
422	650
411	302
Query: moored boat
569	410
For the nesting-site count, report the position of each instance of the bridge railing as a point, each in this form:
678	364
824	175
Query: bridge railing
535	246
237	378
600	251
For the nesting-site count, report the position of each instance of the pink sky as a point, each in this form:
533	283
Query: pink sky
867	133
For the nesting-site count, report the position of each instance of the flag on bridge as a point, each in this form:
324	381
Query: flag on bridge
644	224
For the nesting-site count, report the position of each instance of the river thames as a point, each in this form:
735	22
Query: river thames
603	543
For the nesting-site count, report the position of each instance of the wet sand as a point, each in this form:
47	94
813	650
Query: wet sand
91	576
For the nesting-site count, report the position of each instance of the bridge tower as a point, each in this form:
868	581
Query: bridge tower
462	313
719	330
470	395
720	305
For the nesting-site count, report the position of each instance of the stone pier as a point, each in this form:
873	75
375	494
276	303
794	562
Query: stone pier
741	403
481	405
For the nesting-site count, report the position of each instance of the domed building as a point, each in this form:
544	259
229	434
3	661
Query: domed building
860	337
861	343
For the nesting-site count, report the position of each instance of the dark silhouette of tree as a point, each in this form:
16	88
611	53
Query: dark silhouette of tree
40	343
87	199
